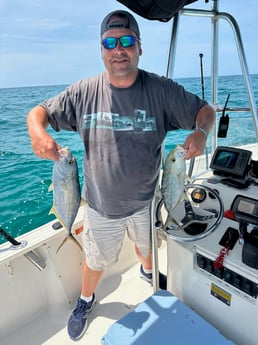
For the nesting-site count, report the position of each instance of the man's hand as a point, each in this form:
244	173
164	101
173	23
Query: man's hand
43	145
194	144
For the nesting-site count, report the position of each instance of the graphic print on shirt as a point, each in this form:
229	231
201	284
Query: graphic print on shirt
138	122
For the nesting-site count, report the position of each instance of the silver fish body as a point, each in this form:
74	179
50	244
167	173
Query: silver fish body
66	191
173	180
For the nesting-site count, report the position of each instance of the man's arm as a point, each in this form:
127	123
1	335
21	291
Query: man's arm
196	141
43	145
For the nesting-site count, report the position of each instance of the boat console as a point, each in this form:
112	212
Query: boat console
213	265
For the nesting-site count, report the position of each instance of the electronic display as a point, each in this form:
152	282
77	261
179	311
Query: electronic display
230	161
246	209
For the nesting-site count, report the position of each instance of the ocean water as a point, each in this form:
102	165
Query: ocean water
24	179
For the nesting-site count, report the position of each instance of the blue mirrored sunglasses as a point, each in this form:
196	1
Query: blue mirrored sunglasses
125	41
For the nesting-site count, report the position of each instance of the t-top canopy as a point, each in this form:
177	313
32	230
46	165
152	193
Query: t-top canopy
162	10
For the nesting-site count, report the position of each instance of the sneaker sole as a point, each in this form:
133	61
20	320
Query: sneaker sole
146	279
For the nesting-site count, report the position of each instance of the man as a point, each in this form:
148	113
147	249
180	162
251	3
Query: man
122	116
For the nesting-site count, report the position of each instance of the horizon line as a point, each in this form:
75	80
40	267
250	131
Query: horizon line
67	84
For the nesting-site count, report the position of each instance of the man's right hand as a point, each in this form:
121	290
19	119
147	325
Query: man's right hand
43	145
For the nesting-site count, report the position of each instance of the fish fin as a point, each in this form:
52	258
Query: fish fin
53	211
65	239
51	187
171	222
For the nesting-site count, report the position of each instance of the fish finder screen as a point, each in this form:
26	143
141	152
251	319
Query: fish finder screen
230	161
227	159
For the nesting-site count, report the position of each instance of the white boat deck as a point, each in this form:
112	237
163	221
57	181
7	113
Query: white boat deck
121	294
57	287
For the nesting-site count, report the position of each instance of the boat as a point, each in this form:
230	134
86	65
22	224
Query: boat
210	256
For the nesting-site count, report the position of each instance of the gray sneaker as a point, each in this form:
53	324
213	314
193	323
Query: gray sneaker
78	323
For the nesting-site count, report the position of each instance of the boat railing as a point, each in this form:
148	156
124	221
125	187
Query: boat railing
232	109
215	15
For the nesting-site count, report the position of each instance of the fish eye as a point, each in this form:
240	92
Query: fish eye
173	159
71	161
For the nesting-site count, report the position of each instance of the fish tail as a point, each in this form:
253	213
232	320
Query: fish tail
68	237
75	241
61	245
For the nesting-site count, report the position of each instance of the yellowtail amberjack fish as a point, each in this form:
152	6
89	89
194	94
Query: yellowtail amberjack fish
66	191
173	181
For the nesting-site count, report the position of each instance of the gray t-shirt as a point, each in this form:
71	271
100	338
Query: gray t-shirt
122	130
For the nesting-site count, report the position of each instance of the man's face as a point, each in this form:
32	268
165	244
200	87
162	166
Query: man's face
121	63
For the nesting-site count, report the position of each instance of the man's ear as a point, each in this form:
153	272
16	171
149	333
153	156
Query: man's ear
140	48
101	52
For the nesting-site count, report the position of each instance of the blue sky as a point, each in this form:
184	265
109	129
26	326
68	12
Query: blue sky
57	42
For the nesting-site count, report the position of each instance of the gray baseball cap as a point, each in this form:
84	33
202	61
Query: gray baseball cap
123	19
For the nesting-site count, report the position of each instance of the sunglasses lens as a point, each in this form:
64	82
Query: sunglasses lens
127	41
109	42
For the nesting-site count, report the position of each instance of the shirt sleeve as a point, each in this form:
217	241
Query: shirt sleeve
61	110
182	106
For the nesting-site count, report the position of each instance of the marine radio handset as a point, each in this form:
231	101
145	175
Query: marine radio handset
223	122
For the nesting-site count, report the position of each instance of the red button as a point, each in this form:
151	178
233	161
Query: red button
229	214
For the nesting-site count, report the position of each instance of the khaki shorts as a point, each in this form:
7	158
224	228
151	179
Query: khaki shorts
103	237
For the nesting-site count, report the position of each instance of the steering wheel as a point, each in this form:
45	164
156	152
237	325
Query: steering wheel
195	217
